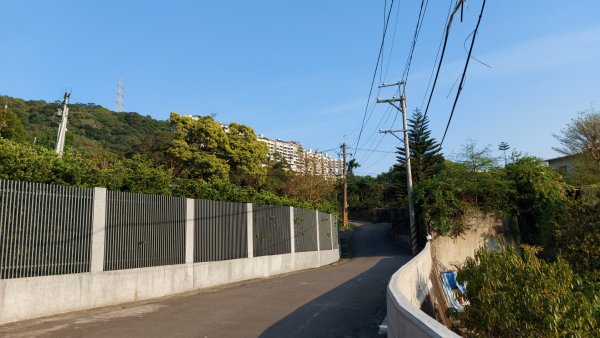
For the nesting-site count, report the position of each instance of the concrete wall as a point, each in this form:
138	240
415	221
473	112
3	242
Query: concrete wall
410	285
406	291
27	298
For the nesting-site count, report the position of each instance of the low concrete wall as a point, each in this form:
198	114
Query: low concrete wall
406	291
410	285
27	298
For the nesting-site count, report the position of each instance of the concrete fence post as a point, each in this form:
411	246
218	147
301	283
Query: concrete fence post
318	238
318	230
331	229
249	229
190	216
292	234
98	229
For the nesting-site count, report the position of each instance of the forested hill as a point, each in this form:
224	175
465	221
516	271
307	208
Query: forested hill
92	128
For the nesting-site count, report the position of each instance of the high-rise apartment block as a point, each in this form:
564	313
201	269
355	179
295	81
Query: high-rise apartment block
302	161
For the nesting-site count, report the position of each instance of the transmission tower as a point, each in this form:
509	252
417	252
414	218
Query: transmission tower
120	101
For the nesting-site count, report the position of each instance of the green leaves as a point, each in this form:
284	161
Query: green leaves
202	150
514	294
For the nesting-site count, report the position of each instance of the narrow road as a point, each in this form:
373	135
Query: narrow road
346	299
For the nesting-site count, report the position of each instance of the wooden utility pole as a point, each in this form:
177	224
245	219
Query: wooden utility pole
345	188
409	183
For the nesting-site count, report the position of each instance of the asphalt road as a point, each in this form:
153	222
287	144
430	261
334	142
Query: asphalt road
346	299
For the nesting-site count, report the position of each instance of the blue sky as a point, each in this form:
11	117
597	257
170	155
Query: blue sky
301	70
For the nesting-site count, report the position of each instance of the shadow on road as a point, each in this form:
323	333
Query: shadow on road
356	307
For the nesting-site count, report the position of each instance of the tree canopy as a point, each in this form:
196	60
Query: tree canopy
425	152
200	148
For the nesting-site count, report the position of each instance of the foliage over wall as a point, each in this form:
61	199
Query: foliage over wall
22	162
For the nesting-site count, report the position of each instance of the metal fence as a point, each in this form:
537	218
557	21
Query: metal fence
324	231
305	230
44	229
47	230
143	230
271	230
220	231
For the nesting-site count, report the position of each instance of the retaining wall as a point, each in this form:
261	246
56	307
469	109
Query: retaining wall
26	298
406	291
411	284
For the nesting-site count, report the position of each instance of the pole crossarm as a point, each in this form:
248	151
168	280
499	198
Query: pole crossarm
393	133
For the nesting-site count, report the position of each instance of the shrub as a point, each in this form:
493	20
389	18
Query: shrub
514	295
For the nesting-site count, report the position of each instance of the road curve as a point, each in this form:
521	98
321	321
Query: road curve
346	299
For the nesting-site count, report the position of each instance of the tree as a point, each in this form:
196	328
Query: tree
578	237
137	174
248	156
478	162
200	148
514	295
364	192
352	164
476	159
581	141
581	136
425	152
278	173
10	125
539	199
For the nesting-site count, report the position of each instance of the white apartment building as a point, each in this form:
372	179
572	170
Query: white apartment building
301	160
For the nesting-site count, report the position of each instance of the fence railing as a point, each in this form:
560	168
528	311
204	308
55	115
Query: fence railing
143	230
325	228
271	227
305	230
220	231
44	229
51	230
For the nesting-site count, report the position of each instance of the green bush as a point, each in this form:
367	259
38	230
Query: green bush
514	295
448	196
539	198
222	190
578	238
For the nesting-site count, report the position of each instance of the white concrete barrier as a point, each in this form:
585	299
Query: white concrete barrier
27	298
406	291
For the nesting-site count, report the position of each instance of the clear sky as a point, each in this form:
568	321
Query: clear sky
301	70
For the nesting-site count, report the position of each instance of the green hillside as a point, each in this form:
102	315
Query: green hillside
92	129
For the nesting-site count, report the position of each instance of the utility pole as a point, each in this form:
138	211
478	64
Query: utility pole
62	129
345	188
409	184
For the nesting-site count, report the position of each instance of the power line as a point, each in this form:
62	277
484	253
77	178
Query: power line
459	3
420	19
369	143
387	67
462	80
374	150
385	26
474	58
437	55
